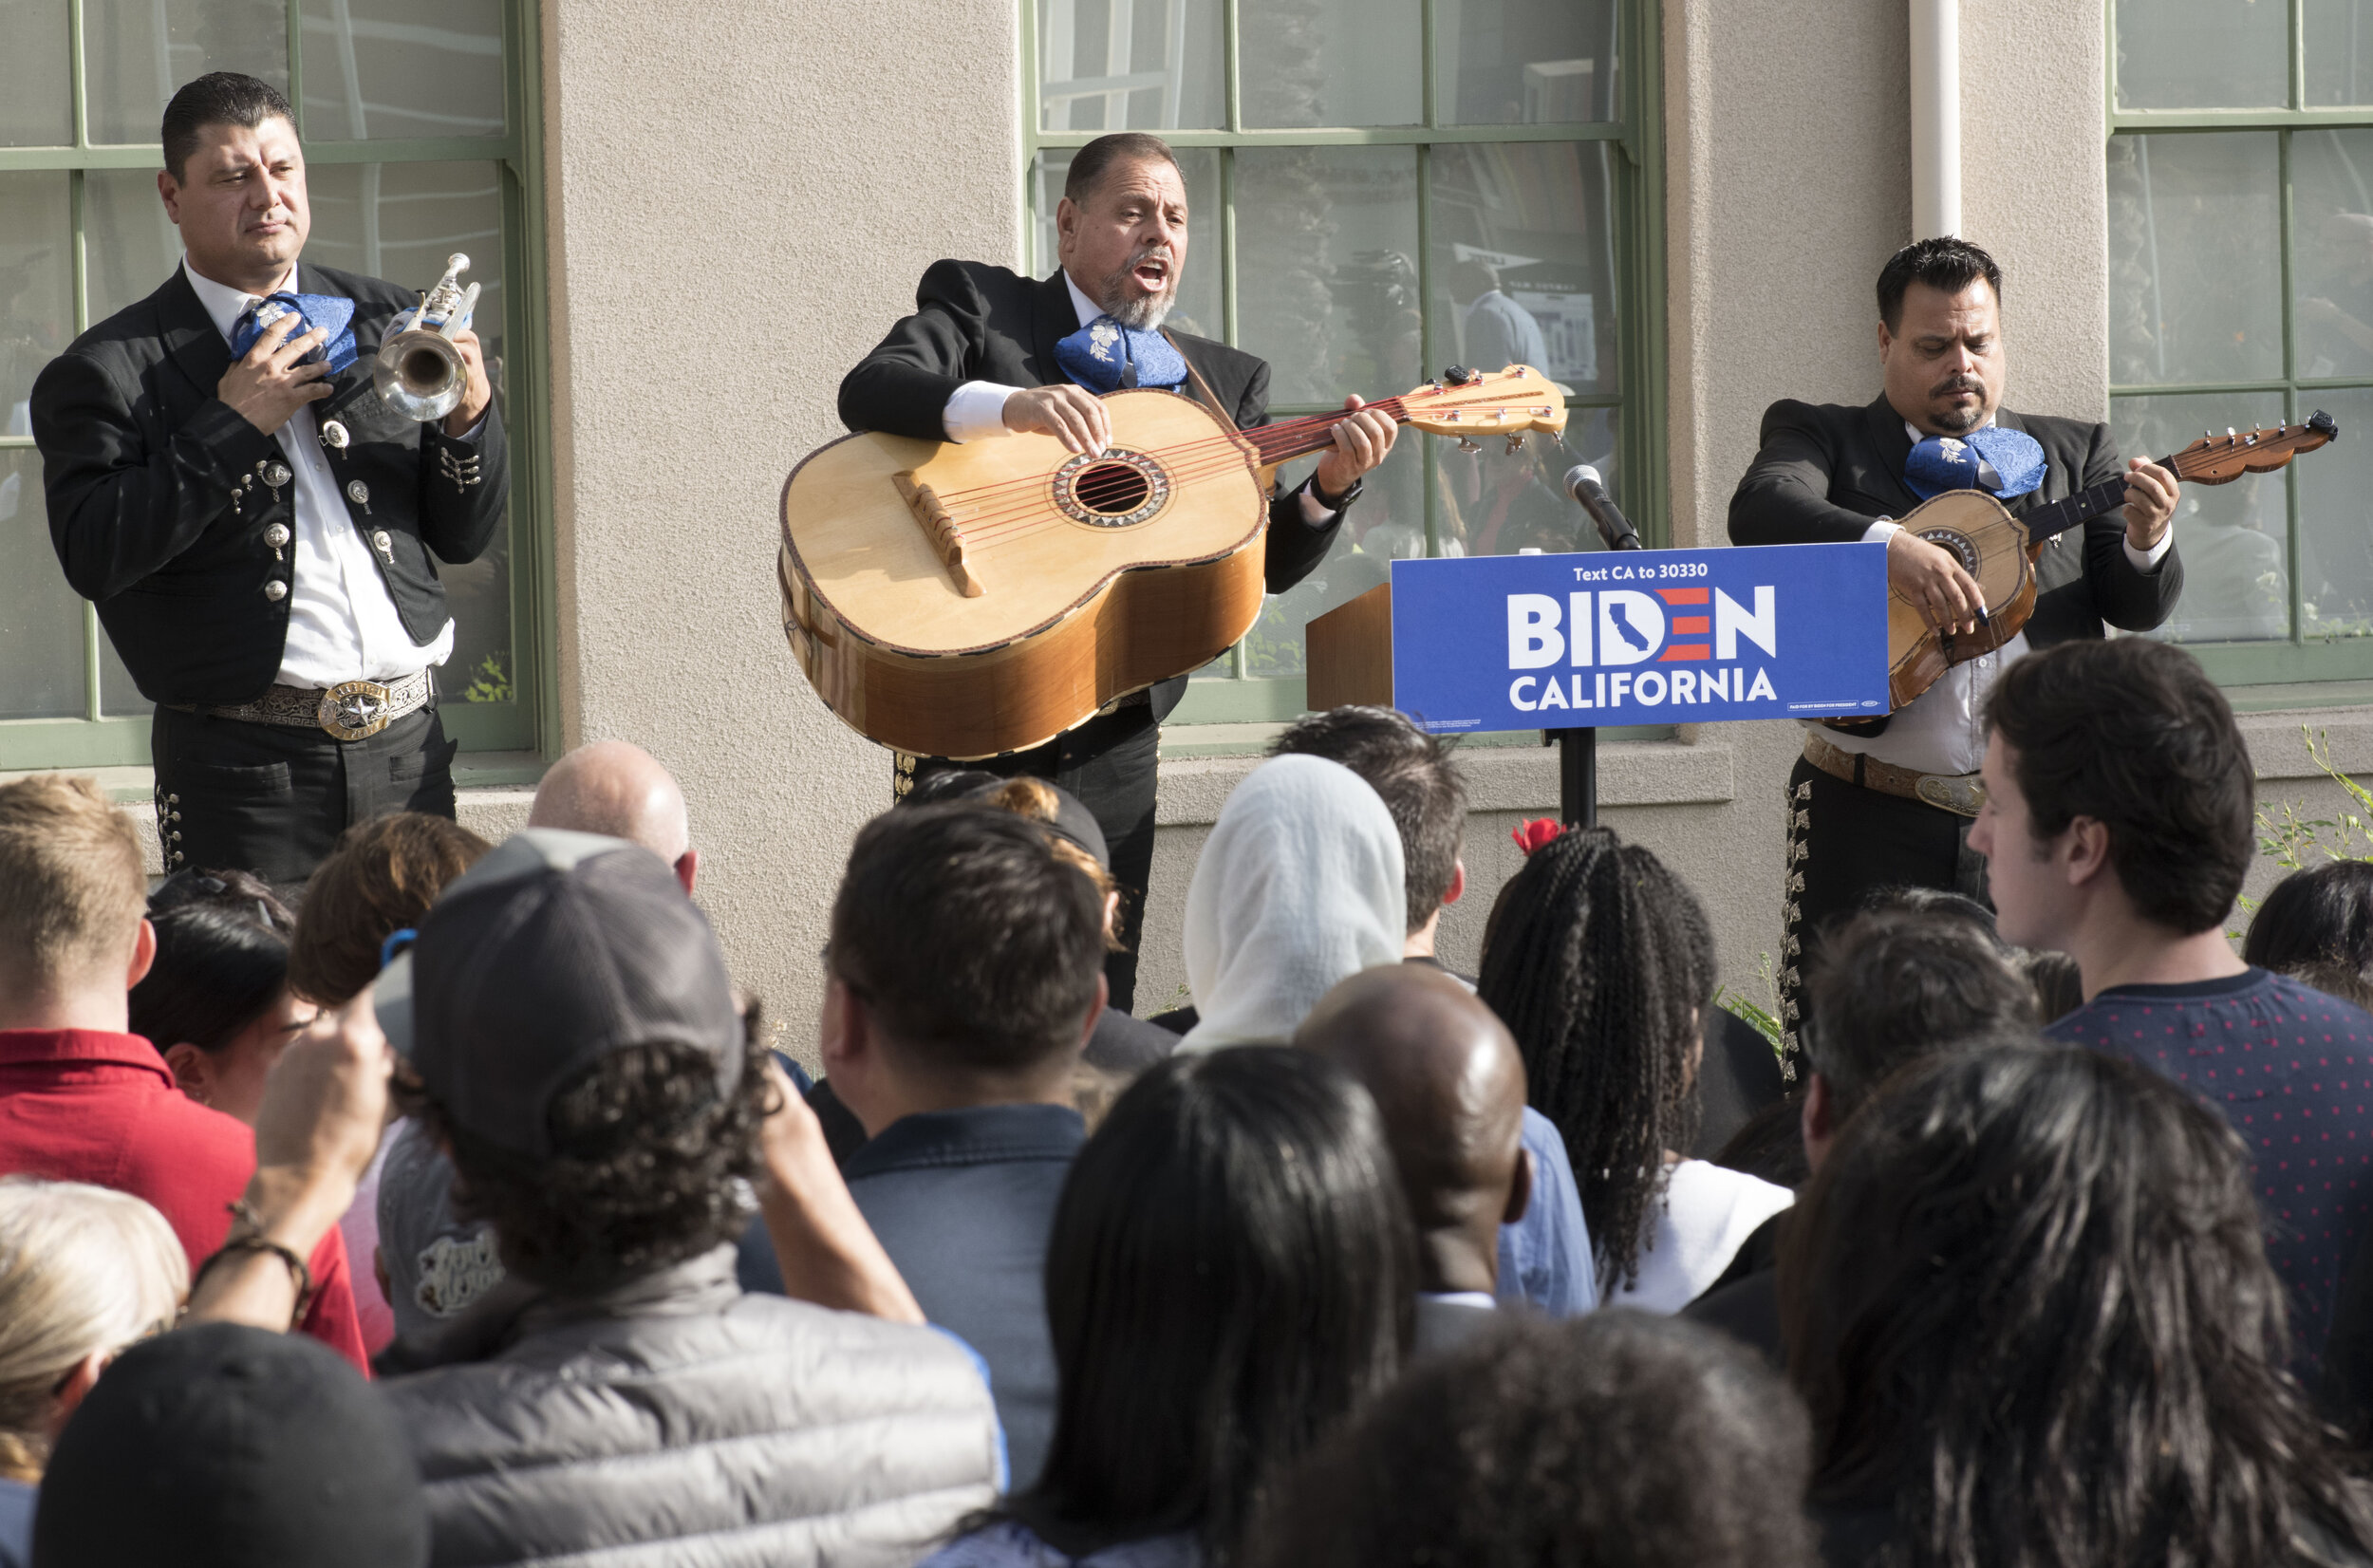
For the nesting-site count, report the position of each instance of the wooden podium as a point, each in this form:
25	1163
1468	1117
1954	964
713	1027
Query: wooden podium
1348	651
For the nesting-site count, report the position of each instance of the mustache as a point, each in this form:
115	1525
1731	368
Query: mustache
1957	383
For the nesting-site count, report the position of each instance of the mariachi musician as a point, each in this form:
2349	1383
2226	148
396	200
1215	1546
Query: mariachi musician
1888	802
253	521
989	352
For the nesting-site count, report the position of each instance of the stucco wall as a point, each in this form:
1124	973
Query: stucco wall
740	197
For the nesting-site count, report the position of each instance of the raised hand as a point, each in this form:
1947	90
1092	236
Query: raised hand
268	384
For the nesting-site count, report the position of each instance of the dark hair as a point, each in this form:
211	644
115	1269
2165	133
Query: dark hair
949	784
1945	263
1619	1438
2054	979
219	98
644	1169
1413	772
379	879
970	937
1886	989
1230	1274
1913	898
1769	1145
223	959
2320	914
1090	163
1600	961
2026	1299
2134	735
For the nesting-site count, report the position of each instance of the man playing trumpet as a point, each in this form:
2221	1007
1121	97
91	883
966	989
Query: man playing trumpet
253	520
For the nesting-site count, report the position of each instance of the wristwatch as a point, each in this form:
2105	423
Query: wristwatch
1336	503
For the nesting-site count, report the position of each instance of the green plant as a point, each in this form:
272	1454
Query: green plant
492	686
2291	841
1763	1018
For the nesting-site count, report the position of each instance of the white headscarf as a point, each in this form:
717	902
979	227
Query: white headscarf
1299	887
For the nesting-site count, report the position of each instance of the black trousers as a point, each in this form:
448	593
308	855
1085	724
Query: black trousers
1110	764
272	798
1845	843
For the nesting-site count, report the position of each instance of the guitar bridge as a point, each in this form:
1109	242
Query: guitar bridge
940	528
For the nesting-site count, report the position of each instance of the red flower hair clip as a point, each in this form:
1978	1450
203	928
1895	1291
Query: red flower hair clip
1540	831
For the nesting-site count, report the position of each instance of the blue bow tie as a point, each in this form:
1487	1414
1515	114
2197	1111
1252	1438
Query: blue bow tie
1104	356
1942	463
332	315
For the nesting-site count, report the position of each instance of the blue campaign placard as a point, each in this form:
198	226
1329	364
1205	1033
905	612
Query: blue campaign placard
1641	637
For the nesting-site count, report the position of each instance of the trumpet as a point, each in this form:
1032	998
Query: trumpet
420	372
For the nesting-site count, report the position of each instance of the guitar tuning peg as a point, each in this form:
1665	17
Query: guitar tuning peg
1466	444
1516	443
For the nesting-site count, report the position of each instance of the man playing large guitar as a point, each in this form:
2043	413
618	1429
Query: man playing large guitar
1889	802
989	352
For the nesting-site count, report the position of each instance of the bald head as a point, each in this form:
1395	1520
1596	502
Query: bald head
617	788
1447	1078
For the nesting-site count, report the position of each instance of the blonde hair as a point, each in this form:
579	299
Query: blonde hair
1032	798
71	887
83	1270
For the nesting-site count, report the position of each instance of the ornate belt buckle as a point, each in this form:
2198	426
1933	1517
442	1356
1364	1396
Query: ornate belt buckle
1963	795
354	710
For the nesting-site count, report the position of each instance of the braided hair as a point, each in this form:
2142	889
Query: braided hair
1601	962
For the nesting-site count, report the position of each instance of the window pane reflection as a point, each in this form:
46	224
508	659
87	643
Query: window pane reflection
129	245
2336	521
1524	62
139	52
37	76
402	68
2195	258
1198	307
2203	54
2331	215
36	286
1130	65
1326	250
1494	502
1523	260
41	619
1330	62
2236	584
2338	35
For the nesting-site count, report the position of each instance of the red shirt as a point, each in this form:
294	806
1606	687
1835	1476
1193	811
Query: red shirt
82	1105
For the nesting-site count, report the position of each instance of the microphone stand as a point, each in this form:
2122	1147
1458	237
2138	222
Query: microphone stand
1578	754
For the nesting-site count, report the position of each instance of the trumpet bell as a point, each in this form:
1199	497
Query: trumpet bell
420	374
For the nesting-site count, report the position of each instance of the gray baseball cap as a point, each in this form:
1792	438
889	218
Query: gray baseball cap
551	952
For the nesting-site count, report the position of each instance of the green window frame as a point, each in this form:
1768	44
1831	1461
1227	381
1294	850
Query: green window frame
526	719
1227	692
2311	666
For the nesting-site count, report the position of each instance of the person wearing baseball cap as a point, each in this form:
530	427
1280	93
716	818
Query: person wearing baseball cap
565	1028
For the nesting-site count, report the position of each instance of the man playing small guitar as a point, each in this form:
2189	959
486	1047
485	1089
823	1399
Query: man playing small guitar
1888	802
989	352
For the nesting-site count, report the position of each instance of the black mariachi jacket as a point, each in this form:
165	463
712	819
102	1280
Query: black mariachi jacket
1825	470
139	459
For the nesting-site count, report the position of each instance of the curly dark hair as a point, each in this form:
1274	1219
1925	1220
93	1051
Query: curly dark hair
644	1173
1621	1438
1601	963
2028	1302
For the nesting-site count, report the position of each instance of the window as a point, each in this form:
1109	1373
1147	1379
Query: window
1379	189
2241	294
416	126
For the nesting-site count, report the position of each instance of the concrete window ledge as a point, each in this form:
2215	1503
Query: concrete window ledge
1503	778
2278	751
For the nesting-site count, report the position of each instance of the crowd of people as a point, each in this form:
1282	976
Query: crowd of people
456	1207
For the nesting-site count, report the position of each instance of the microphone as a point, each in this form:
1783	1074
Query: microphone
1583	483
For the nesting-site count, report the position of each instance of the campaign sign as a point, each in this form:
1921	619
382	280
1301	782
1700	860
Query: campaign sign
1641	637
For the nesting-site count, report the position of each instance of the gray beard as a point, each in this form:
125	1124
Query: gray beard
1142	314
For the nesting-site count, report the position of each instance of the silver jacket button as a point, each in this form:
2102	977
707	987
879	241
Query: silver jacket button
276	535
382	541
359	493
276	476
275	591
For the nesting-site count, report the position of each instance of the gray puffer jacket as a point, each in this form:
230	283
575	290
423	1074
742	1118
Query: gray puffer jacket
676	1421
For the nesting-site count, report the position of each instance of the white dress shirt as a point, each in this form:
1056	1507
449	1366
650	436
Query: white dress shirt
343	626
1943	730
976	411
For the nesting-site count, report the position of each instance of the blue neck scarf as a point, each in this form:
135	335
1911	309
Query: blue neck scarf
332	315
1943	462
1102	355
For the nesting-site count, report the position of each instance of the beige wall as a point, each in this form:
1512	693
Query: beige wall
740	197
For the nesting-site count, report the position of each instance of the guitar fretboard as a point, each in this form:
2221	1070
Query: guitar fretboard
2059	516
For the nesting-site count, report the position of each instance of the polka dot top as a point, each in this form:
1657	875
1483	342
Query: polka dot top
2293	1070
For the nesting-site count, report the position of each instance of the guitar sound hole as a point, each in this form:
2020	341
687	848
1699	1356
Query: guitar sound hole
1111	490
